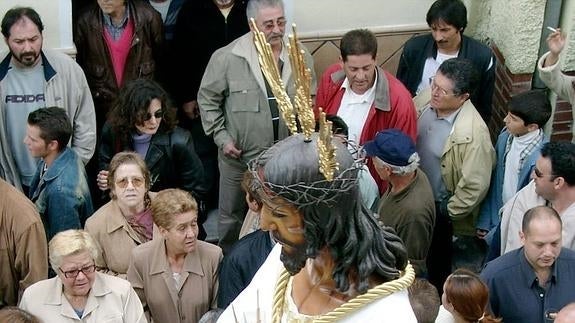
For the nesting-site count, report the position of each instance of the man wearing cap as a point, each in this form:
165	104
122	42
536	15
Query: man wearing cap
407	205
457	156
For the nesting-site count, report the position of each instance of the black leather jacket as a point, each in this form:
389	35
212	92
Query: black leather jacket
171	159
94	57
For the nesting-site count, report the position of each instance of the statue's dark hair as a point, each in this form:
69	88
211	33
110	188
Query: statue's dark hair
333	214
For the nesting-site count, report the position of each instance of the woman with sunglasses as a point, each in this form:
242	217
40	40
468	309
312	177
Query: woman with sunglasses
143	120
78	293
126	221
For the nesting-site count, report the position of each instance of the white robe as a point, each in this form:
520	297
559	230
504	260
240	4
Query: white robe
393	308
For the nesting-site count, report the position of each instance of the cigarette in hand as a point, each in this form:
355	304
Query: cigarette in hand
553	30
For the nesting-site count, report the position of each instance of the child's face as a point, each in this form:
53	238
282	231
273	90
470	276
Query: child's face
515	125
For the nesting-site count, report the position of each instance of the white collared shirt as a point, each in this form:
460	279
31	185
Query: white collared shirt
354	109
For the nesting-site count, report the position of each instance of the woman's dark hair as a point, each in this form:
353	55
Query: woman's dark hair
131	108
333	215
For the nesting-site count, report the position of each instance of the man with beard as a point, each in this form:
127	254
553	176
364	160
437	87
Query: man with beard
239	110
331	251
531	284
423	54
550	71
30	78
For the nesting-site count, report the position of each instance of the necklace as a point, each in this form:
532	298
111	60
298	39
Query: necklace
354	304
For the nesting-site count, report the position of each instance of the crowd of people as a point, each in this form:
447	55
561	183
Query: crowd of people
386	201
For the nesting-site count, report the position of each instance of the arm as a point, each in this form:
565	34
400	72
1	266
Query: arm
475	177
231	283
62	210
404	113
133	309
211	99
188	166
135	277
485	91
215	280
31	262
84	120
417	237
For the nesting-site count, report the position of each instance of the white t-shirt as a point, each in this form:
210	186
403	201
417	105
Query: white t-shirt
430	68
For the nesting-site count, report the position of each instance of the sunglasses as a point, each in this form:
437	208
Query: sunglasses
158	114
137	182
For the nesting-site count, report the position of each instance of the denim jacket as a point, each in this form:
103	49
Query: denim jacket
62	195
489	214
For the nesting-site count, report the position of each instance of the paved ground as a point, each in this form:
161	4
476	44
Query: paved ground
211	226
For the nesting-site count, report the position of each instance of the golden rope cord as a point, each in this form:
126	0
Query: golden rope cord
349	307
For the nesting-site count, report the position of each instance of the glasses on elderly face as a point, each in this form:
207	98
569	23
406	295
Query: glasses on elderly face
158	114
539	174
269	25
74	273
440	90
137	182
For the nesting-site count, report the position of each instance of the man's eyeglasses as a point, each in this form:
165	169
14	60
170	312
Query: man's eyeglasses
74	273
269	25
137	182
435	87
158	114
539	174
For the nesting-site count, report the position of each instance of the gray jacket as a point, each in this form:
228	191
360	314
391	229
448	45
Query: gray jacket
233	98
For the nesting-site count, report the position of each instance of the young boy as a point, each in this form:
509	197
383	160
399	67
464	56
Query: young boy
517	150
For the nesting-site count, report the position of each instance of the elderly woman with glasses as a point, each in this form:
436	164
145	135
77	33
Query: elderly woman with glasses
78	292
126	221
176	276
143	120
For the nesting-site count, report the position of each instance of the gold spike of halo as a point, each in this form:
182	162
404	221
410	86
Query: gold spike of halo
302	76
327	159
272	75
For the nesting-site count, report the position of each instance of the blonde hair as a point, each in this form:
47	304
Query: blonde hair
169	203
68	243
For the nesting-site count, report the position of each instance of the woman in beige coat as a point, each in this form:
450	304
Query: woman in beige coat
126	221
176	276
78	293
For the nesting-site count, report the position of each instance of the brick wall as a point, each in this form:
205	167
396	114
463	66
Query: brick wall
508	84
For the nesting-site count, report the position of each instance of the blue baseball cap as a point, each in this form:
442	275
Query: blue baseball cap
391	146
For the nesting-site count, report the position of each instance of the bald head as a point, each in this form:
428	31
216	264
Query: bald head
566	314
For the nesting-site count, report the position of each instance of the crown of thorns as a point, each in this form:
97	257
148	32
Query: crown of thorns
323	191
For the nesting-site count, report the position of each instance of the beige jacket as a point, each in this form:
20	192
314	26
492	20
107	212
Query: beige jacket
152	278
23	245
111	300
466	164
115	239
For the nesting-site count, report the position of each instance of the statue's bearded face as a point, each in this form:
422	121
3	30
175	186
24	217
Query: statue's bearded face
285	222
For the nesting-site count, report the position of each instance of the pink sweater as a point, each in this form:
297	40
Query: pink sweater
119	50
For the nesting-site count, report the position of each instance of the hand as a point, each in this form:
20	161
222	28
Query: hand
191	109
556	43
480	233
102	180
230	150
